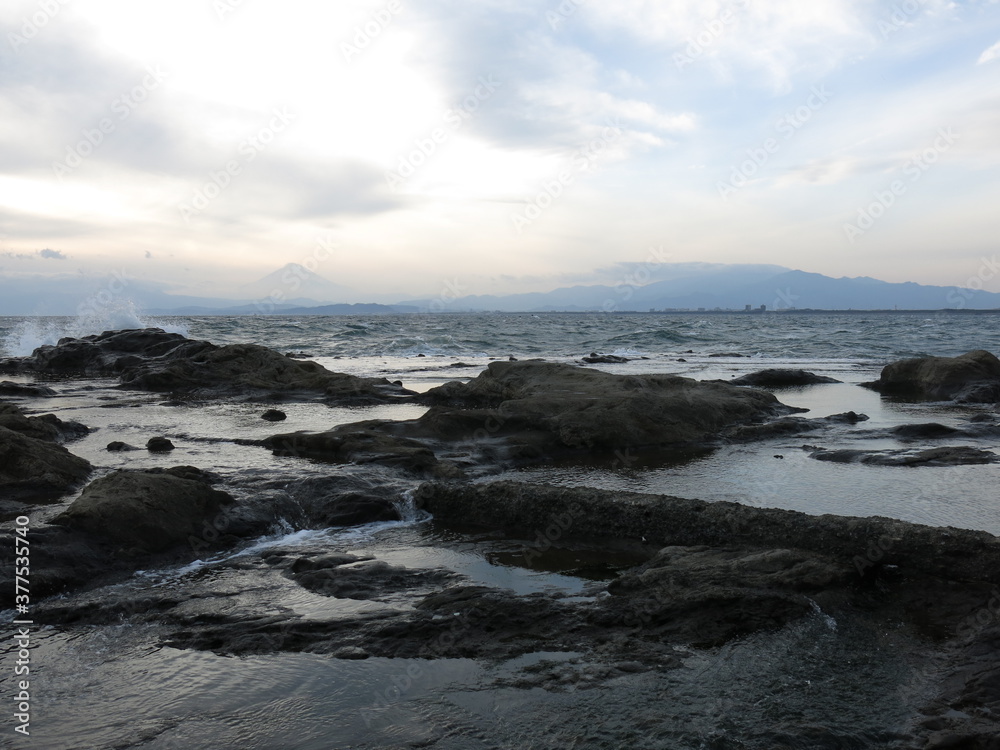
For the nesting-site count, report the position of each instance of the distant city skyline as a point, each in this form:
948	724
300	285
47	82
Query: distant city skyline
405	148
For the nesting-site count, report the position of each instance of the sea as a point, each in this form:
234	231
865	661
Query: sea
122	686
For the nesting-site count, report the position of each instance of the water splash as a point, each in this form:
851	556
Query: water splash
123	314
406	506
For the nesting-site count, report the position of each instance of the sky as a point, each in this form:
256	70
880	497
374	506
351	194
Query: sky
407	148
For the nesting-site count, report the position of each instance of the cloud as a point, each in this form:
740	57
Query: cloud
990	54
556	91
46	253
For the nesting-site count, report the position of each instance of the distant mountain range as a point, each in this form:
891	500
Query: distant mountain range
735	287
295	290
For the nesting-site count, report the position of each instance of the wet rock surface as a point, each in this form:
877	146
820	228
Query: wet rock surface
702	578
723	573
973	377
146	511
358	444
531	410
34	470
151	359
347	576
45	427
159	445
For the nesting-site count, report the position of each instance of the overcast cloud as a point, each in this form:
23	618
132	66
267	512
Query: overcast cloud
508	144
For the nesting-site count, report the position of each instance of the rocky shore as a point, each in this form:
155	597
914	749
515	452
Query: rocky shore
703	574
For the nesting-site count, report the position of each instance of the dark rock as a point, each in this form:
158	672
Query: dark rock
146	511
7	388
604	359
682	360
30	467
356	444
154	360
782	378
847	417
973	377
274	415
118	445
584	512
350	577
44	427
350	509
541	408
707	596
159	445
61	560
959	455
319	502
247	369
929	431
726	354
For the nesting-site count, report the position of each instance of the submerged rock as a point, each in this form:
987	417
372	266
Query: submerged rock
153	360
928	431
604	359
955	455
31	468
7	388
274	415
147	511
777	378
973	377
847	417
778	428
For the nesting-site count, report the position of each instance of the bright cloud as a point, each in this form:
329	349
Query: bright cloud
211	141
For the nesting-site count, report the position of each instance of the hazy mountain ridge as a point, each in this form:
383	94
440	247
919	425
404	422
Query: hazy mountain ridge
682	286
